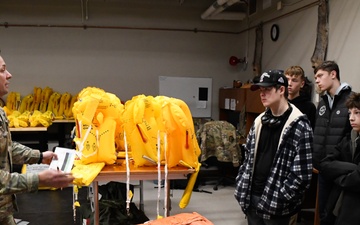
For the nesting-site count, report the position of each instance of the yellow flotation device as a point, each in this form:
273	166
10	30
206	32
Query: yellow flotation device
181	138
45	96
85	174
142	121
191	152
26	103
41	119
37	99
147	120
13	101
63	105
68	110
181	133
18	119
96	113
175	136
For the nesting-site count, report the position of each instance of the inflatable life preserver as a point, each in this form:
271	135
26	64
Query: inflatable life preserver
192	152
68	111
181	143
189	152
147	120
142	121
96	114
85	174
37	99
13	101
26	103
63	105
174	129
181	138
114	111
45	96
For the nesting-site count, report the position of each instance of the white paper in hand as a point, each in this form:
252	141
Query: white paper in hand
65	159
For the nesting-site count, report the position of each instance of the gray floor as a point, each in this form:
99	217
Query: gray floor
220	207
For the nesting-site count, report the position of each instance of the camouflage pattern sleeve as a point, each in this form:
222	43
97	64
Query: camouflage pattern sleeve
11	183
22	154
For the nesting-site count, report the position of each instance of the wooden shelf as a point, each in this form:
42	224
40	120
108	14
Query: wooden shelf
33	129
232	101
27	129
64	121
38	137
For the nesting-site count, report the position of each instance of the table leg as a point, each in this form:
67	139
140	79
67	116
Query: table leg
141	184
168	206
96	203
316	216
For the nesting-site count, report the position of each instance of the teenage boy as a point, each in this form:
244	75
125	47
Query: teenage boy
297	94
342	166
278	157
331	125
300	95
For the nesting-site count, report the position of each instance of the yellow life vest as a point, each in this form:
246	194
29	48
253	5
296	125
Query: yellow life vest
96	113
85	174
189	151
142	121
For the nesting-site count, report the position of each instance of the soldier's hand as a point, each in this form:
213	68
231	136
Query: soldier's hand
55	178
48	156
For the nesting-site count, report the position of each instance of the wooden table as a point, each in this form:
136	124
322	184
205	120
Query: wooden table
118	173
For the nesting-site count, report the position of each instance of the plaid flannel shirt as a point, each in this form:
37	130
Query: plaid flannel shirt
291	171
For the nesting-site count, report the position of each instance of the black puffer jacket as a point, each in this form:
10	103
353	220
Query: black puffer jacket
331	125
342	167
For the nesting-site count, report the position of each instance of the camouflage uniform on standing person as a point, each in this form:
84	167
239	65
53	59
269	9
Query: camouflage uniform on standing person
11	152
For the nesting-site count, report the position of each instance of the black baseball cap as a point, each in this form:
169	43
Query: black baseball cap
270	78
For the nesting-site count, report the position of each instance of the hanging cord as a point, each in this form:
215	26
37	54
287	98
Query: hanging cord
166	191
97	139
128	194
80	128
81	145
73	133
75	200
159	176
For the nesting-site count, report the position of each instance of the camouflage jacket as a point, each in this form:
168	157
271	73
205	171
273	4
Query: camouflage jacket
219	139
12	183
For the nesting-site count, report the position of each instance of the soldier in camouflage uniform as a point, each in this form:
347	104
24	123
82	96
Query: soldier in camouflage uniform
12	152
